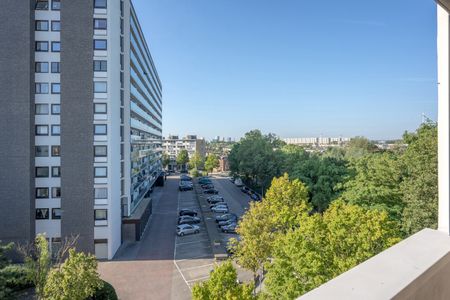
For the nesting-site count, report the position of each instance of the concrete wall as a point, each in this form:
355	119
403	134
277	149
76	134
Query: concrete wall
77	196
17	211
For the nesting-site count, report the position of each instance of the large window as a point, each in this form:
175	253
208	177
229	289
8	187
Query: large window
100	171
56	213
42	213
100	65
56	109
41	25
100	87
41	88
100	108
100	214
41	109
100	151
56	192
41	46
100	45
101	193
100	23
100	3
56	4
55	67
56	88
56	26
56	130
100	129
56	46
56	171
56	150
42	172
42	192
41	151
41	5
41	129
41	67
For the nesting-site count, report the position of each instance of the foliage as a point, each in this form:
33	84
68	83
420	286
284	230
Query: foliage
182	158
106	292
196	161
420	186
322	248
222	285
75	279
211	162
194	173
13	278
165	160
38	263
358	147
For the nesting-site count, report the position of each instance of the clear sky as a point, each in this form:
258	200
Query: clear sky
295	68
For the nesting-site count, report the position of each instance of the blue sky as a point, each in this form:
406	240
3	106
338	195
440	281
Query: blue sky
293	67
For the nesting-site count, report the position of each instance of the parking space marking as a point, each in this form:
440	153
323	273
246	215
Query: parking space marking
198	267
195	257
181	273
179	244
198	279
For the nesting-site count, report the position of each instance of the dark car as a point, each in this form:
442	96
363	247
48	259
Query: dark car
226	217
230	228
185	187
207	186
185	178
255	197
215	200
211	191
227	222
188	220
201	182
188	212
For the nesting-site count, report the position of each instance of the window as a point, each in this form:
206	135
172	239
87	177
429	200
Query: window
100	23
56	171
99	3
56	192
100	129
41	192
41	129
41	151
41	5
56	109
100	108
56	88
56	150
56	46
41	213
56	4
100	214
41	46
56	130
41	67
42	172
100	151
100	45
100	87
56	213
100	193
41	88
55	67
41	109
41	25
100	171
100	65
56	25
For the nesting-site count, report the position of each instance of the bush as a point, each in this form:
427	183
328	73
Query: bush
13	278
107	292
194	173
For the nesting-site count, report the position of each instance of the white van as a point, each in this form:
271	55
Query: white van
238	182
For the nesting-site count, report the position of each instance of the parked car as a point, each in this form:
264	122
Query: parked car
185	177
204	181
227	222
220	209
185	187
238	182
188	212
187	229
213	197
219	204
207	186
216	200
225	217
245	189
188	220
229	228
255	197
211	191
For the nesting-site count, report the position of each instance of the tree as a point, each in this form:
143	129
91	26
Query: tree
165	160
358	147
420	187
196	161
182	158
38	263
211	162
222	285
325	246
75	279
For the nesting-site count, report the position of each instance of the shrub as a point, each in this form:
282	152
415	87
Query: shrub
13	278
107	292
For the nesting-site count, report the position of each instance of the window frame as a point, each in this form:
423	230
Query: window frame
56	192
55	63
101	147
103	84
40	64
53	86
54	43
101	40
101	188
41	126
101	104
38	28
101	219
40	105
59	111
55	22
43	147
44	2
58	6
100	168
101	126
55	147
43	189
54	216
37	169
45	215
101	63
101	7
53	173
38	88
37	49
98	21
53	130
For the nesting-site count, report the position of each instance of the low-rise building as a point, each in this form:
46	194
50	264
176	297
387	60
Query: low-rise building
173	145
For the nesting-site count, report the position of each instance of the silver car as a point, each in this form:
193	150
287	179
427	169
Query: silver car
187	229
220	209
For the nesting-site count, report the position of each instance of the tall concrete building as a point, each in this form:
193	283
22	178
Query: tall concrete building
173	144
81	121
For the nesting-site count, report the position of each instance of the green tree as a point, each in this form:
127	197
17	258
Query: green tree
420	186
211	162
222	285
182	158
358	147
165	160
326	246
196	161
75	279
38	263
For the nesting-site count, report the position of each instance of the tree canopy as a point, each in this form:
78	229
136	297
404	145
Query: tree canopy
182	157
211	162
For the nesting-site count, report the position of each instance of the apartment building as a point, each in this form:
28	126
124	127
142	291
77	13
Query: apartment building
81	121
317	141
173	144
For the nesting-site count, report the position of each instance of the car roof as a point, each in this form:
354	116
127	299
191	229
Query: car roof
183	226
